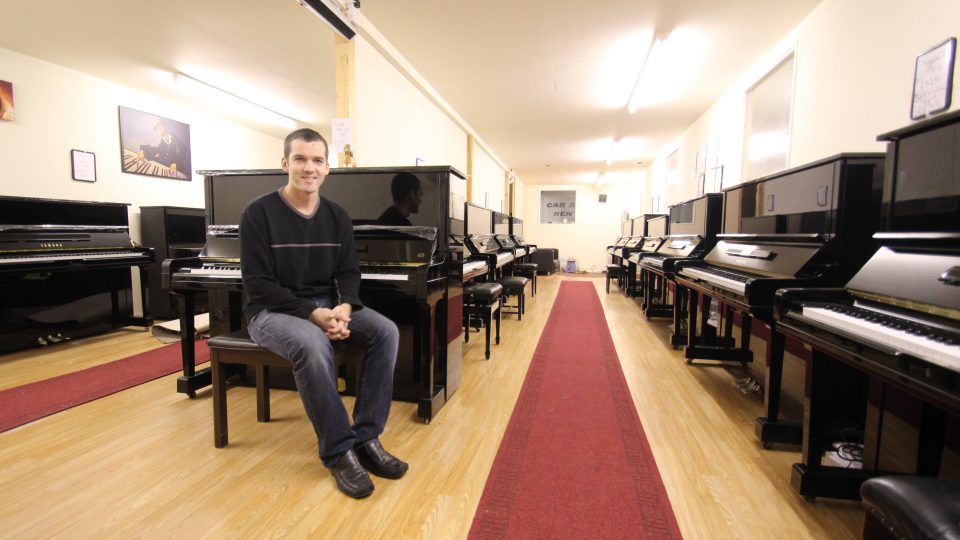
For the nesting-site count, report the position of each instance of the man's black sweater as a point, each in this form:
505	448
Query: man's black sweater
286	257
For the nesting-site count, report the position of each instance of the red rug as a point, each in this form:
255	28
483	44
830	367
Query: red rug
23	404
574	462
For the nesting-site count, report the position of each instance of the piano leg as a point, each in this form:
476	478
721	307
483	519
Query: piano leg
680	301
191	380
769	428
830	396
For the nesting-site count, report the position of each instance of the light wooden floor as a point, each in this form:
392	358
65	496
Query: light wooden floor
141	463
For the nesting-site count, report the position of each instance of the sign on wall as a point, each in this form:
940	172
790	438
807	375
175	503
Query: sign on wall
558	206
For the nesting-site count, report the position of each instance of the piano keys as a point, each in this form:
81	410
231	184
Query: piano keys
397	269
807	226
694	225
891	334
65	269
897	319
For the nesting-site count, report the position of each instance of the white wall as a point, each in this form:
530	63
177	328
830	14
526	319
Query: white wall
394	123
597	225
59	109
853	81
488	181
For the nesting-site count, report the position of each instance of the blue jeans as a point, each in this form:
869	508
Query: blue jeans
311	354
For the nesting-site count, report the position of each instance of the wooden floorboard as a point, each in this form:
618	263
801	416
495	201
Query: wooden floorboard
141	463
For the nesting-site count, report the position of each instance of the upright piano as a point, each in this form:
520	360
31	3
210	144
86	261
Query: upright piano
806	226
65	271
393	270
885	348
654	228
694	225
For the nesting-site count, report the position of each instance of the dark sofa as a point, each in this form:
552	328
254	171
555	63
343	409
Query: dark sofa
547	259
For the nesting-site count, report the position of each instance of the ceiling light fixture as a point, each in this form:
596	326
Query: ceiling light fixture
231	103
329	12
613	147
670	63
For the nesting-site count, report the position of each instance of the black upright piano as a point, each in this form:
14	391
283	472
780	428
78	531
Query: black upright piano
394	271
886	346
694	225
65	270
810	225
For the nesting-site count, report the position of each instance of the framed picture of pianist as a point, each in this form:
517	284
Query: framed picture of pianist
154	146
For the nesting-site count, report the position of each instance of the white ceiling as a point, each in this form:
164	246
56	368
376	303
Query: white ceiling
539	82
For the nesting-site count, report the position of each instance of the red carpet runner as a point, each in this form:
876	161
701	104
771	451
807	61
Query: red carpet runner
574	462
23	404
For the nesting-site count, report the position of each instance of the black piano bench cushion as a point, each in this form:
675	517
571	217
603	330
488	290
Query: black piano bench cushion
482	293
525	268
911	507
614	270
513	285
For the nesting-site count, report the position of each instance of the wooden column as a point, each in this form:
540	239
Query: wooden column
346	81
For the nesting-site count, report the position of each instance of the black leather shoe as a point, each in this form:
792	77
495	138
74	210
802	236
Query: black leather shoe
350	476
379	462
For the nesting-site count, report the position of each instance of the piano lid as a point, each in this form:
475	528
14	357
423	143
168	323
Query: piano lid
395	244
782	256
914	271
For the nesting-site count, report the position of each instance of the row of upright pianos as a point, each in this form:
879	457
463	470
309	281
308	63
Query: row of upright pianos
849	266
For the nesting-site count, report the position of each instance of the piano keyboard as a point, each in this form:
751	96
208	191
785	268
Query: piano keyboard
39	258
721	278
654	260
937	346
216	271
384	276
132	162
472	266
504	258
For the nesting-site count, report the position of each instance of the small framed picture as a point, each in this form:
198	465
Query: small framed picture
6	101
933	80
83	165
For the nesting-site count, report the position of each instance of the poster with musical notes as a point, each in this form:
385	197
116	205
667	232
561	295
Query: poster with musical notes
933	80
154	146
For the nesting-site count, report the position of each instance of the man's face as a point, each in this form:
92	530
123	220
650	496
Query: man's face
416	197
306	165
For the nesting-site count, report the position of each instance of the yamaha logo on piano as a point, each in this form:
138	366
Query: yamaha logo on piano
48	245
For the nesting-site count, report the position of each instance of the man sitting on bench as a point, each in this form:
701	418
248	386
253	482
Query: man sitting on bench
301	280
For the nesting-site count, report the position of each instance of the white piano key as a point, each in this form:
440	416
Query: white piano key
720	281
935	352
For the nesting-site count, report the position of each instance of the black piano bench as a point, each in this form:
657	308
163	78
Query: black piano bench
236	348
910	507
615	271
529	271
514	286
482	301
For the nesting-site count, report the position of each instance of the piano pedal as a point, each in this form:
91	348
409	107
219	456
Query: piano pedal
752	388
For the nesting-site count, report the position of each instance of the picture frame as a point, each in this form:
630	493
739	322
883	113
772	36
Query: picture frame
83	165
933	80
6	101
152	145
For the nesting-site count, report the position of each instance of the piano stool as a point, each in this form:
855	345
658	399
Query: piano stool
482	300
237	348
615	271
514	286
910	507
529	271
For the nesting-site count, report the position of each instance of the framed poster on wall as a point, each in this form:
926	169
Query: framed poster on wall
154	146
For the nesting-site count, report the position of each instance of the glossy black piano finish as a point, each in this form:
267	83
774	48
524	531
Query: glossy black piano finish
810	225
399	270
897	324
65	270
694	225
